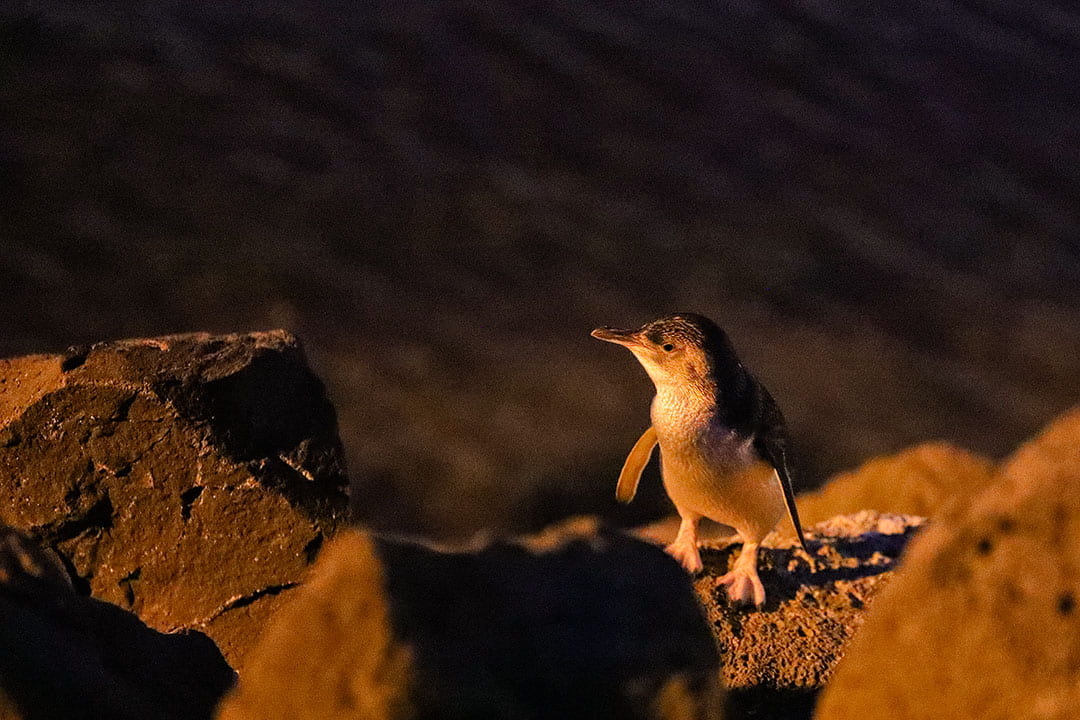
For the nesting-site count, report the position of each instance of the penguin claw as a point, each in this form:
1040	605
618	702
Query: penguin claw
687	555
743	588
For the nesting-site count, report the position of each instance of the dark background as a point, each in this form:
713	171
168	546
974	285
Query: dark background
878	200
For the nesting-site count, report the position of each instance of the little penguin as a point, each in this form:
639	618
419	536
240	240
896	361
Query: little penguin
723	442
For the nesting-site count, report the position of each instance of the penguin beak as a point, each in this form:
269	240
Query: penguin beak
627	338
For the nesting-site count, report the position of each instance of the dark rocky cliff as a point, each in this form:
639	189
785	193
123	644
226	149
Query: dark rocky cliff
443	198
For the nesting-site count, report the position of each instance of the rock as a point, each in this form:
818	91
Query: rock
332	653
917	481
190	478
583	622
1053	455
982	620
63	656
777	658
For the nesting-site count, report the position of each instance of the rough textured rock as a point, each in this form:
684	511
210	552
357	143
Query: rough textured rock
777	658
916	481
332	653
67	657
577	623
190	478
982	621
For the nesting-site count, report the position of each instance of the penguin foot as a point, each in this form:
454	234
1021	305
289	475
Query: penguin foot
743	587
687	554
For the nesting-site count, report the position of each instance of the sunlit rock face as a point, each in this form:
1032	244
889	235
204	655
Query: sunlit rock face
190	478
982	620
920	481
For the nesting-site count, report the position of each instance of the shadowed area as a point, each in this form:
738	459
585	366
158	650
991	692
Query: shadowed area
66	656
579	621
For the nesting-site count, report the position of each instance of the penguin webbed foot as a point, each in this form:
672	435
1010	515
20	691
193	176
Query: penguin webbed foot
742	584
743	587
687	554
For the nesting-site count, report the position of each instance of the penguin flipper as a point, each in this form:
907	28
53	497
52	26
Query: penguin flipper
789	499
758	415
634	465
772	450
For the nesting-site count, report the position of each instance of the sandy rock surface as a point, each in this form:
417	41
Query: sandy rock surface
580	622
190	478
776	659
982	621
65	657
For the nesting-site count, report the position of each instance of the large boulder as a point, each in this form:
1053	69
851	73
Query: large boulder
190	478
775	660
65	657
916	481
983	620
581	622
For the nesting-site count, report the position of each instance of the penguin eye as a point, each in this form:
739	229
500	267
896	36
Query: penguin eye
668	347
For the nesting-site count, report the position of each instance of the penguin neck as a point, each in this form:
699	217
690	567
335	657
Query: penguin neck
683	410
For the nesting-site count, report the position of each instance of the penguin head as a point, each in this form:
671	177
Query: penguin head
676	350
